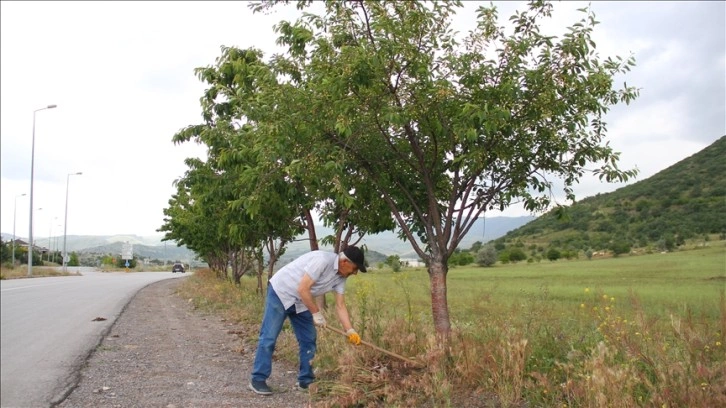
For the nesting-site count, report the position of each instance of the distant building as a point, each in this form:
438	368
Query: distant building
19	243
412	263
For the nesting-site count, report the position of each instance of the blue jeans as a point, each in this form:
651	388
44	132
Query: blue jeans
302	325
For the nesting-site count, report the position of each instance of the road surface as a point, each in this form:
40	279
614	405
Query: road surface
48	327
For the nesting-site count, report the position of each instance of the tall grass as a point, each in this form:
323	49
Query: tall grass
623	332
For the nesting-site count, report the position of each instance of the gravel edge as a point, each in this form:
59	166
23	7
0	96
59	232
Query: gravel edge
160	352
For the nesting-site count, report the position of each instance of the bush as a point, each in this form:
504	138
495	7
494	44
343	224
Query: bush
5	251
486	256
74	261
121	263
394	261
461	258
516	255
553	254
620	247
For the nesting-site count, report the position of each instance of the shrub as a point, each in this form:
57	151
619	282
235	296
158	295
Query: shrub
461	258
486	256
620	247
394	261
121	263
553	254
516	255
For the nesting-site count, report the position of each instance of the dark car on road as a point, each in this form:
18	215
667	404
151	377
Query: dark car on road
178	267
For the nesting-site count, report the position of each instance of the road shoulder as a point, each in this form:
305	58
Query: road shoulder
162	353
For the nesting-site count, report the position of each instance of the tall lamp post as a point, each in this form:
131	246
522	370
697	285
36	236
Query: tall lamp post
32	170
41	254
50	234
56	246
65	227
15	206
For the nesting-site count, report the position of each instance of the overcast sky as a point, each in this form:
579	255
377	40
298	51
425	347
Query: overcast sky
122	76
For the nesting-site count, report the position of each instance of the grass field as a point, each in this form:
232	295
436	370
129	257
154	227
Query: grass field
664	283
643	330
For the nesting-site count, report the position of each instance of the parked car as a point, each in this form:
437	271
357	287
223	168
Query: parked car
178	267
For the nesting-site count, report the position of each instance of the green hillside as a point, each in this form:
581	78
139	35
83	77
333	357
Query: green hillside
686	201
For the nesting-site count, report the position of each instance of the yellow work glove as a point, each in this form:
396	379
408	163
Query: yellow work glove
353	337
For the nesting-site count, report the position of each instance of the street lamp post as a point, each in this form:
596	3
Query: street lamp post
50	234
32	171
41	255
56	246
65	227
15	206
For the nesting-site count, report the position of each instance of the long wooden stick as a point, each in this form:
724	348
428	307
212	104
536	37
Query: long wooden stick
373	346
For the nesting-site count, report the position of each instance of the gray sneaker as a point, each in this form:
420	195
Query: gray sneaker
260	387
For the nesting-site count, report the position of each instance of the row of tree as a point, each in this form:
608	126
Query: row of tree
379	117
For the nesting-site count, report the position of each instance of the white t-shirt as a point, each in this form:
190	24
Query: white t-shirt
321	266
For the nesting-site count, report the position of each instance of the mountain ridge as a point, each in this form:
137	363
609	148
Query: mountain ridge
387	243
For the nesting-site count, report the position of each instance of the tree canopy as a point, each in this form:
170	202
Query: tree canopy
378	113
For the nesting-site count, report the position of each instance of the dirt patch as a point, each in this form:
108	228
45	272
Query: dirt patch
163	353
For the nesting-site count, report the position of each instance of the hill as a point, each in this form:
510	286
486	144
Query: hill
685	201
150	247
169	252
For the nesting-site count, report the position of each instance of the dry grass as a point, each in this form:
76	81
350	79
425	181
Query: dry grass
20	272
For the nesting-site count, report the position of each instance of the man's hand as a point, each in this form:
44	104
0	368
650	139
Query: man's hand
353	337
319	319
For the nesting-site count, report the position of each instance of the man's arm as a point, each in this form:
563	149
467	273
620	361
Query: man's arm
304	290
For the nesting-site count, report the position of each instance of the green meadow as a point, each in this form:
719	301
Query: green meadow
645	330
663	283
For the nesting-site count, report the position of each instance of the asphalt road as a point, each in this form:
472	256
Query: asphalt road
48	327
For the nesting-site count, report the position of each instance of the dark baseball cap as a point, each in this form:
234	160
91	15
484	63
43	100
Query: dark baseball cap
356	256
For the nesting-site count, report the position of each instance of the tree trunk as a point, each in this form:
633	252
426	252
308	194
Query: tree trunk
439	302
270	266
313	238
236	261
273	253
312	235
218	264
